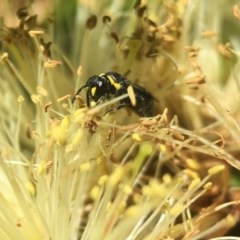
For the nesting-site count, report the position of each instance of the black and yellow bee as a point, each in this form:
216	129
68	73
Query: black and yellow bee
109	85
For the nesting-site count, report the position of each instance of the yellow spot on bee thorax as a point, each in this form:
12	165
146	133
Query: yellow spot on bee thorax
93	91
116	85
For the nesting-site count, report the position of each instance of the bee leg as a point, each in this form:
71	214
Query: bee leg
121	105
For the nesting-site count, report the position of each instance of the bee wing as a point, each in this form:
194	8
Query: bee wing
142	91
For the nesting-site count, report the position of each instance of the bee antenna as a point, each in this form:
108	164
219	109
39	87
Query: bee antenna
78	91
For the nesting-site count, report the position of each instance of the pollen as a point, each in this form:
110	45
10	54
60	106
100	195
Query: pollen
193	164
190	173
177	209
216	169
103	179
194	183
30	188
94	192
20	99
154	189
58	134
42	91
136	137
84	167
36	98
163	148
79	115
208	185
133	211
99	160
41	167
116	176
127	189
167	179
4	57
34	33
230	220
65	122
77	138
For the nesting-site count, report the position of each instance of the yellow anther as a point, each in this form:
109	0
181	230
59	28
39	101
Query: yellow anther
216	169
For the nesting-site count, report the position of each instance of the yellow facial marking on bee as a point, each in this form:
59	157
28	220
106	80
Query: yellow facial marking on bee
93	91
93	104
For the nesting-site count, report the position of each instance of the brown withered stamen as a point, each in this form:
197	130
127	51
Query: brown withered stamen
91	22
106	19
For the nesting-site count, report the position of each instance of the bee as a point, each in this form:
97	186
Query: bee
109	85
